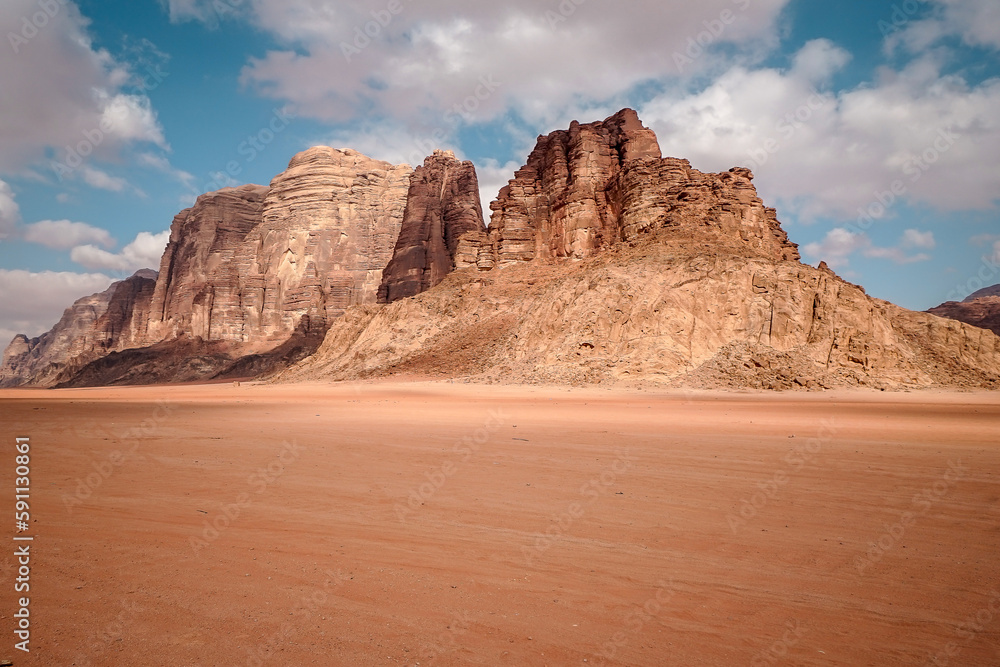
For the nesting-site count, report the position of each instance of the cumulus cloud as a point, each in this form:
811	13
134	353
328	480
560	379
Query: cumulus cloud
840	244
975	22
31	302
61	93
818	153
142	253
345	61
64	234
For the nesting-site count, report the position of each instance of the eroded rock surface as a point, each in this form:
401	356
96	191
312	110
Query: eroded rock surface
442	228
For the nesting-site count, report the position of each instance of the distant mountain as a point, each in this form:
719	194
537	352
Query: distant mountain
986	291
980	309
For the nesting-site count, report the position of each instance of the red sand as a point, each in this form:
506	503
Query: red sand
681	529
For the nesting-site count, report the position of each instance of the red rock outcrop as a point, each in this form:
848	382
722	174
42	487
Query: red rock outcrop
89	329
557	204
595	185
442	227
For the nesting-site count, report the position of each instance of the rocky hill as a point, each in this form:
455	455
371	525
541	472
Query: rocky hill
980	309
603	262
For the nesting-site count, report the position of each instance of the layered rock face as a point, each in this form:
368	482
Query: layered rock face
981	309
594	185
199	290
254	264
89	329
442	228
329	226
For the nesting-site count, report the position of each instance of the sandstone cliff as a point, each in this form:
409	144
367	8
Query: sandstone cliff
89	329
442	227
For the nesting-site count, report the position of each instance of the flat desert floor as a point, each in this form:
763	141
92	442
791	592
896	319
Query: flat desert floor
454	524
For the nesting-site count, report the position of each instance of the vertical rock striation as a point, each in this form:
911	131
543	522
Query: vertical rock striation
442	227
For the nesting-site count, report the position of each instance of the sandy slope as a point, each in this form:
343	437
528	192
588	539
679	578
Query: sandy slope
655	554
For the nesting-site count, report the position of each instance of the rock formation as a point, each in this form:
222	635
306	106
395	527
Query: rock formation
595	185
253	264
89	329
604	262
442	227
683	278
980	309
251	272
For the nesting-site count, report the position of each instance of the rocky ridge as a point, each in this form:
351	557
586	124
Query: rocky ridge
604	262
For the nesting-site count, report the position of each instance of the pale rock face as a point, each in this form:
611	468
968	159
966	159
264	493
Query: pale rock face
442	228
253	264
329	225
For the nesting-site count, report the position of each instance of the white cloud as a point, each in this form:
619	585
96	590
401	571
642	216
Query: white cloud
63	234
435	54
30	302
142	253
840	244
63	94
10	212
820	154
976	22
161	163
913	238
101	179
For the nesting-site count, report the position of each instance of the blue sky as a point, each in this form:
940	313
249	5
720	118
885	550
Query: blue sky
872	125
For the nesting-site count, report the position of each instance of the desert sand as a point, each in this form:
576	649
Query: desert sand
453	524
